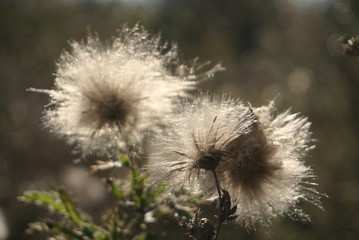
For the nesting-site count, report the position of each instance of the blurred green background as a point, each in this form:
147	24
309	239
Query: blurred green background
272	48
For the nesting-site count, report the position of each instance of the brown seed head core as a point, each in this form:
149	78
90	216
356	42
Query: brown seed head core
252	164
209	161
113	110
110	110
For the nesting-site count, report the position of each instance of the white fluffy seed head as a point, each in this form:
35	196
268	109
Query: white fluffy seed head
267	176
257	155
196	141
106	96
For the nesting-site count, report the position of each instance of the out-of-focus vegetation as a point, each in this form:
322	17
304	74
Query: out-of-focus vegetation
275	48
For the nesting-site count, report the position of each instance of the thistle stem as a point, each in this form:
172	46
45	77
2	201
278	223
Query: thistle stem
220	207
218	228
218	187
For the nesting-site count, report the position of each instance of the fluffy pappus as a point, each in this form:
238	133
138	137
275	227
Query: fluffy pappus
109	95
196	142
266	175
256	153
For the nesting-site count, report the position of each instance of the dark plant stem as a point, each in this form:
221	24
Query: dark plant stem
219	203
218	187
218	229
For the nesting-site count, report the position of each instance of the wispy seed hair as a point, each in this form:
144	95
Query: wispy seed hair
106	96
256	153
197	137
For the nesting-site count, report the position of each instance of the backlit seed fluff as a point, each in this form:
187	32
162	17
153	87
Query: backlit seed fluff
105	96
257	155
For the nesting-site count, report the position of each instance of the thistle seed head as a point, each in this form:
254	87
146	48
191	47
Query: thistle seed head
256	154
251	163
107	96
198	141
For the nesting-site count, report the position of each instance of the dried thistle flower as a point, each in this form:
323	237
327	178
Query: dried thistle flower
105	96
196	142
267	176
256	154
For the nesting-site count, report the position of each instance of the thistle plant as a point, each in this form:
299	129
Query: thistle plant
250	159
110	99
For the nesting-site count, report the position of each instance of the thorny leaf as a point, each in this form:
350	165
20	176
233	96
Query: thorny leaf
226	210
118	193
49	199
69	206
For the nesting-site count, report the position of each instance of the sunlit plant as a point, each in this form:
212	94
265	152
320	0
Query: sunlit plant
108	100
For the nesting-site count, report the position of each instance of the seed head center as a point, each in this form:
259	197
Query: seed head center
114	110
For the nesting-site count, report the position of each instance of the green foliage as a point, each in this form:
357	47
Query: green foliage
72	224
125	220
69	206
118	193
161	188
49	199
124	160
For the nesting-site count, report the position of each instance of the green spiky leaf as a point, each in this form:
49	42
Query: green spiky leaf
118	193
50	199
69	206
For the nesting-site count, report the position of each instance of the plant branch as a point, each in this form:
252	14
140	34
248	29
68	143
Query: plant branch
220	205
